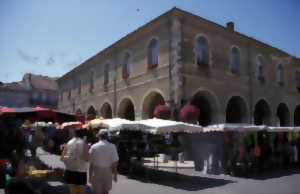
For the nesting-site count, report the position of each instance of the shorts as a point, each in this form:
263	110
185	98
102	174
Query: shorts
101	180
75	177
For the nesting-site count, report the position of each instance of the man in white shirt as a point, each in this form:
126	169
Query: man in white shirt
103	164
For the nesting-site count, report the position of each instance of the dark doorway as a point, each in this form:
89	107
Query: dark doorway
236	111
126	110
262	113
106	111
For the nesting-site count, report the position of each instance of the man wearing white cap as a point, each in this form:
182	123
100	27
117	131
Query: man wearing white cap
103	164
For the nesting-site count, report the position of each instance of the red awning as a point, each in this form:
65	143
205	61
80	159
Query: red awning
7	111
42	112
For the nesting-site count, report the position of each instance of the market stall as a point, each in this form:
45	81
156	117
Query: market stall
146	138
36	114
243	149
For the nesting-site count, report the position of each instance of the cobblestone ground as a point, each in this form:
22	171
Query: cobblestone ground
189	181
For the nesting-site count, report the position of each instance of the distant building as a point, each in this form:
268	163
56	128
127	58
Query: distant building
14	94
32	91
181	58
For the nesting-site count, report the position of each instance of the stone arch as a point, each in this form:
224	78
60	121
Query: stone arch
208	105
262	113
126	109
91	113
106	111
297	116
237	110
150	101
283	114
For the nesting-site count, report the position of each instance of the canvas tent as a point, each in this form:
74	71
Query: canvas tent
153	126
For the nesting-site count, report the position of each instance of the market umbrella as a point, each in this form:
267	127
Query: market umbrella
242	127
116	124
5	111
44	112
96	123
71	125
161	126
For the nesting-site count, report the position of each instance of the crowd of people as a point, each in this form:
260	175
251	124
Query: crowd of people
90	157
80	151
261	151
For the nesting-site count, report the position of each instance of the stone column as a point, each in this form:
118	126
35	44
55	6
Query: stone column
176	66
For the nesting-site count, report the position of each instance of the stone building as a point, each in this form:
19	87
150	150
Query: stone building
14	94
33	90
181	58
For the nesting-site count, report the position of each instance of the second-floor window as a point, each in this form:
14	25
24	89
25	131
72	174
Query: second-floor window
260	69
126	66
280	74
235	60
153	50
297	80
202	51
106	74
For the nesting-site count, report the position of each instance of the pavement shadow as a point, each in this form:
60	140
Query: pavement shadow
61	189
179	181
37	186
276	173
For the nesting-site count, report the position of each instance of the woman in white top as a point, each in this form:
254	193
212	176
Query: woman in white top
75	156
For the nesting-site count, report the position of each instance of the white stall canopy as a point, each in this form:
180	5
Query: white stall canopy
240	127
153	126
114	124
160	126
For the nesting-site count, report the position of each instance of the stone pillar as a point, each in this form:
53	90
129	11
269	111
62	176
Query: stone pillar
176	66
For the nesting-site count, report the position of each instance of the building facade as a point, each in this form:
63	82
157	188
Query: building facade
181	58
14	95
33	90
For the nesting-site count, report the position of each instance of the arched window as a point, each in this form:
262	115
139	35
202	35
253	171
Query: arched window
126	66
106	74
297	77
91	81
153	50
260	69
235	60
280	74
202	51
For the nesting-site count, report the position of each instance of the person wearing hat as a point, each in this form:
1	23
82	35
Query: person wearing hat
75	156
103	164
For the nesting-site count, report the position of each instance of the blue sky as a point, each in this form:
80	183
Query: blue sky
51	37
